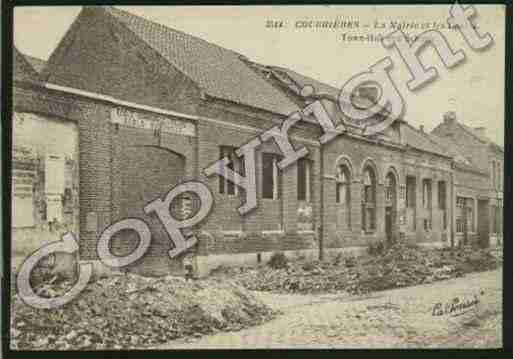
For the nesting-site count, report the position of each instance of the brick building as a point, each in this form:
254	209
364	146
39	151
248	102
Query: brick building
151	107
478	179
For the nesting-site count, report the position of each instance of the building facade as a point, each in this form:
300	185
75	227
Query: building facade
143	107
478	187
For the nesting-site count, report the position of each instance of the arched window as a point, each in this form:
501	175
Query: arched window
369	200
389	187
343	195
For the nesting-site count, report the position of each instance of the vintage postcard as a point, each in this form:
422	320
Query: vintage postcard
257	177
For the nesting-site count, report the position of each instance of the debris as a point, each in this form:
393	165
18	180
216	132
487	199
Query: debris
132	311
278	260
399	265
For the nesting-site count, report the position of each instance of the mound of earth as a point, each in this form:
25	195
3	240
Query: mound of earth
132	311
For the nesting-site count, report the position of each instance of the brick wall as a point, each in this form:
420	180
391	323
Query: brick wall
355	154
271	215
108	163
105	161
104	57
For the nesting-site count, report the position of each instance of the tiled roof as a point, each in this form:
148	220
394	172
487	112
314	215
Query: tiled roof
452	149
22	70
446	146
296	81
36	63
472	132
493	146
219	72
302	80
421	140
299	81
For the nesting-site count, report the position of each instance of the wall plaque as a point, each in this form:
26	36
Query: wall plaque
126	117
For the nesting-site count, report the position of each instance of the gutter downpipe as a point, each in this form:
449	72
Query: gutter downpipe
452	205
321	201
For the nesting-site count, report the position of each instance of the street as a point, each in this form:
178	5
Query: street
457	313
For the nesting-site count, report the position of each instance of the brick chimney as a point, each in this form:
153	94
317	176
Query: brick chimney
422	128
449	117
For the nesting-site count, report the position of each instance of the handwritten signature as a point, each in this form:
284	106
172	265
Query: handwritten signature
457	306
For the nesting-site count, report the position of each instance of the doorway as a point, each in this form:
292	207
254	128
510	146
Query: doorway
147	172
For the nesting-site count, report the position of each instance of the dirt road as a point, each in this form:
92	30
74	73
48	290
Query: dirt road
458	313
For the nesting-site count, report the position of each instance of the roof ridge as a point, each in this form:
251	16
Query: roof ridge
282	68
469	130
429	137
220	72
108	10
415	129
168	28
438	151
298	85
20	58
37	63
315	81
33	57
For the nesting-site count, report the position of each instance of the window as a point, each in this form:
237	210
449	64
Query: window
369	200
442	202
460	210
427	224
183	206
493	219
304	180
470	215
442	195
499	176
493	174
235	164
426	193
426	204
270	176
389	188
410	192
464	215
343	194
498	217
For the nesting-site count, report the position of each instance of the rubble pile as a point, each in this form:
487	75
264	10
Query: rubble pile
399	265
312	277
131	311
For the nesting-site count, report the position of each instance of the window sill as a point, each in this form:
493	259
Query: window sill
232	233
229	195
271	232
306	231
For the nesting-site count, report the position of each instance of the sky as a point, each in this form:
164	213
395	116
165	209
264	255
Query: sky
473	89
